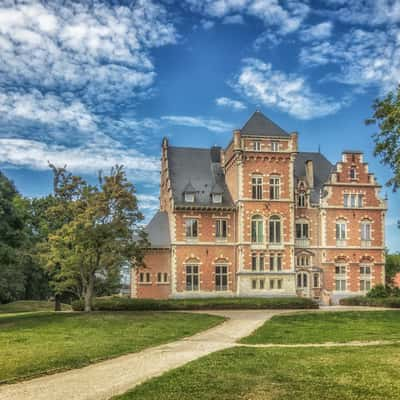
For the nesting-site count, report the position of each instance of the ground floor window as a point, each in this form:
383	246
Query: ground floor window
257	262
316	281
340	278
221	277
257	284
145	277
275	284
192	277
365	278
302	280
275	262
162	277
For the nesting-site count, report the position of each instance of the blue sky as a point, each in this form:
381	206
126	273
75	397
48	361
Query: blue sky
93	84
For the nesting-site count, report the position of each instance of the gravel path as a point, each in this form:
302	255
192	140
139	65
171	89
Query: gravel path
105	379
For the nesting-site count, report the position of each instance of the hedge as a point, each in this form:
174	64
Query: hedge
390	302
126	304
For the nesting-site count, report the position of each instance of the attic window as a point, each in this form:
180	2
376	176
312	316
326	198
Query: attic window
274	146
257	145
217	198
189	197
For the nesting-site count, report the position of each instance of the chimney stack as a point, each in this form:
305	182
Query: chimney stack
310	173
236	140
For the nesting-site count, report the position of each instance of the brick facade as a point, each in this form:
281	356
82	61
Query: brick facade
294	223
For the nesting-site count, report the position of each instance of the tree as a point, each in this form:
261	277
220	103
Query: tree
97	236
387	140
12	279
392	266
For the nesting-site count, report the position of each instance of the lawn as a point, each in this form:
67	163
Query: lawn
30	306
322	327
350	373
32	344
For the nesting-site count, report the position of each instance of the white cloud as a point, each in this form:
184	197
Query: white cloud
233	19
366	12
317	32
210	124
287	92
148	202
285	16
226	102
207	24
363	58
92	157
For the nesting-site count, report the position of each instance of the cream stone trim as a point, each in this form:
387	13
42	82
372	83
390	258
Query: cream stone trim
173	270
133	283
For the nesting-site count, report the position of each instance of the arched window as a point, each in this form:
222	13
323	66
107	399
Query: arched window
275	234
257	229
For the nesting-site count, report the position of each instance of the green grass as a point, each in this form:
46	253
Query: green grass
322	327
369	373
388	302
30	306
126	304
32	344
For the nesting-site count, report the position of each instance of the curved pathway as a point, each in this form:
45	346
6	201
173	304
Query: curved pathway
108	378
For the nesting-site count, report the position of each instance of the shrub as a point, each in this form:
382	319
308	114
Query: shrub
390	302
126	304
379	291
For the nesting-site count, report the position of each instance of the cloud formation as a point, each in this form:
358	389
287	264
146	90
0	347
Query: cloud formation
290	93
230	103
213	125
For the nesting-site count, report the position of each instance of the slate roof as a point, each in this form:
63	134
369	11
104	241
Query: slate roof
260	125
322	168
158	231
202	168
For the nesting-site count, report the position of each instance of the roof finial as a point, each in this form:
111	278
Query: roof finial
319	148
257	107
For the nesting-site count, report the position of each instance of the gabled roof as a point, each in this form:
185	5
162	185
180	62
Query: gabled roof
322	168
158	231
260	125
202	168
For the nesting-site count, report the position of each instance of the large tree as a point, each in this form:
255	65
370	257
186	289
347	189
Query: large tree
100	231
12	279
387	140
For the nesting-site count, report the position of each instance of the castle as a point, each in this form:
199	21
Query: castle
261	218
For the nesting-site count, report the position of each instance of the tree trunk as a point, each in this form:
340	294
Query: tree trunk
57	303
89	294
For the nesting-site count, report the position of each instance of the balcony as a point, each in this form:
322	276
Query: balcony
305	242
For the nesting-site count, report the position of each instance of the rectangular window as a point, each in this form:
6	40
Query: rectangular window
254	284
141	277
257	228
340	278
256	187
272	284
257	145
360	201
365	285
257	262
221	228
316	280
301	199
340	230
192	277
279	283
301	230
275	262
261	262
254	262
191	228
165	277
274	146
353	200
162	277
365	231
274	188
221	277
275	230
346	200
261	284
159	277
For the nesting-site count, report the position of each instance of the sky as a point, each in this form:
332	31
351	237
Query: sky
94	84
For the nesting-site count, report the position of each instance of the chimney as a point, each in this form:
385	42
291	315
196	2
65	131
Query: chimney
236	140
310	173
294	137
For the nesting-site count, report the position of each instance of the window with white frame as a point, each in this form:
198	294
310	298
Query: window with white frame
302	230
316	283
301	199
303	260
274	187
366	230
365	278
275	234
257	261
257	229
274	146
191	228
145	277
256	187
162	277
192	277
340	278
221	277
189	197
341	230
302	280
257	145
275	262
353	200
221	229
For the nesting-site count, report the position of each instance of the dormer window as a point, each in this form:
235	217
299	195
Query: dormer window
257	145
217	198
189	197
353	173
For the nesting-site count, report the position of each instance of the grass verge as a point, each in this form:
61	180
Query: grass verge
30	306
320	327
34	344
